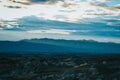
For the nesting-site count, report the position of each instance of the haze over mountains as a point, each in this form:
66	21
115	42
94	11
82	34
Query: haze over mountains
46	45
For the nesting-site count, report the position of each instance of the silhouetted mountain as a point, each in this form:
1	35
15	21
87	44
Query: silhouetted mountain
59	46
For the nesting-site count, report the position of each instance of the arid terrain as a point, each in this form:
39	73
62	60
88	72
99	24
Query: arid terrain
59	66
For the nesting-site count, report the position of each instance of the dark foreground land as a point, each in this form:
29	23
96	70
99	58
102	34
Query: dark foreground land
59	67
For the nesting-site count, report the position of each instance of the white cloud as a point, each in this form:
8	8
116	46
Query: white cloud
73	10
52	31
1	28
8	24
100	0
113	23
15	35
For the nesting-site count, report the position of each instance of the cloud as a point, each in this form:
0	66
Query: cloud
117	6
34	26
44	1
23	2
14	7
105	5
30	2
4	25
74	11
106	9
102	1
1	28
34	23
53	31
113	24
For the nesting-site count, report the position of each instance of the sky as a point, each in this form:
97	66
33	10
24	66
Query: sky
97	20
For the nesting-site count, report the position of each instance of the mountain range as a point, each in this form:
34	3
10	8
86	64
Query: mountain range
46	45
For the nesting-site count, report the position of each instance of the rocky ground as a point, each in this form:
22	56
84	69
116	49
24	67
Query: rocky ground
59	67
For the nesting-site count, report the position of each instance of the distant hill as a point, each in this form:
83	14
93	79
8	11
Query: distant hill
59	46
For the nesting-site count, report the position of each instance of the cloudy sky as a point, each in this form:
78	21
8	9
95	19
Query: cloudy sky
64	19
